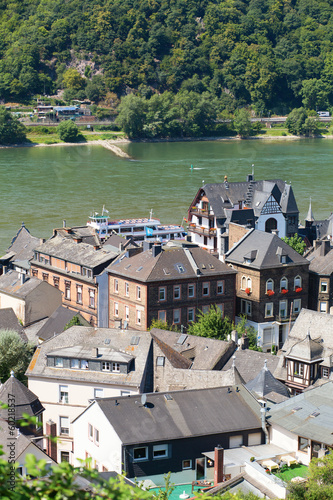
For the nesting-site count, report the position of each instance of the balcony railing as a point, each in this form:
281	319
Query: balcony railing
200	211
201	230
286	317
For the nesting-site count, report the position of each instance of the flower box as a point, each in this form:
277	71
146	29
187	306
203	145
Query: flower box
298	289
270	293
248	291
284	290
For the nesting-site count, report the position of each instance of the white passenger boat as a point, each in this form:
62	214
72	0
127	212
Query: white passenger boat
138	229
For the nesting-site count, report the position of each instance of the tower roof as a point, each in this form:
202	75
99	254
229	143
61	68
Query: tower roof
310	217
25	400
265	385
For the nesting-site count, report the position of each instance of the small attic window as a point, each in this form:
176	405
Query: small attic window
297	408
283	259
211	266
139	269
180	268
160	360
135	340
128	266
315	414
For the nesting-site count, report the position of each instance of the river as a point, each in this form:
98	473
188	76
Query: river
41	186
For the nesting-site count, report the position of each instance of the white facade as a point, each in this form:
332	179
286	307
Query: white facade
281	223
286	439
268	332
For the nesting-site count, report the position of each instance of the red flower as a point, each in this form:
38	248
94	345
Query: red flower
270	293
284	290
248	291
298	289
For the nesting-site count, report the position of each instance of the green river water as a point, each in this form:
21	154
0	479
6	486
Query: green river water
44	185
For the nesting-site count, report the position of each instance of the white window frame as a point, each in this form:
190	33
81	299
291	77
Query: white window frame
297	282
115	367
160	448
323	284
282	281
323	307
63	394
243	282
138	317
325	372
126	289
249	283
269	285
177	293
116	286
127	313
162	293
206	286
160	360
220	287
138	292
92	298
191	286
283	308
116	309
84	365
79	294
96	436
106	366
189	466
246	307
75	364
142	459
190	314
176	316
297	306
59	362
62	425
90	432
269	310
98	392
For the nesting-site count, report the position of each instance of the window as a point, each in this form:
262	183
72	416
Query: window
323	307
45	277
269	310
56	281
176	316
205	289
243	283
116	309
283	284
249	283
191	291
220	287
283	309
116	367
268	336
64	456
325	372
75	363
187	464
323	287
116	286
59	362
105	366
96	437
138	292
176	292
297	282
180	268
79	294
84	364
86	272
246	307
125	393
297	306
126	289
302	444
35	273
64	425
298	368
127	313
140	454
160	360
90	432
269	285
221	307
283	259
92	298
160	451
190	314
161	294
98	393
67	290
205	309
138	317
162	316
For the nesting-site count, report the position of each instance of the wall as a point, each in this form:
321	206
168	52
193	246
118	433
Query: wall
236	232
41	302
129	300
18	305
288	440
259	474
281	223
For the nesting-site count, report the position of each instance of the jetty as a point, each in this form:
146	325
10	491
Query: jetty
115	149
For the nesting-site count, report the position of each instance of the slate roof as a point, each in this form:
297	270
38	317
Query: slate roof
23	244
224	195
89	338
57	321
308	415
25	400
115	240
194	261
306	349
266	248
11	283
249	363
321	264
187	414
266	386
9	321
79	253
86	233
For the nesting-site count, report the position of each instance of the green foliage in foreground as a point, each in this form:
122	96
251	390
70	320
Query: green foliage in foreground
162	325
11	130
320	482
14	355
296	243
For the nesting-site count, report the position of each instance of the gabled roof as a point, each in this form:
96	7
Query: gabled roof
57	321
9	321
23	244
86	234
308	415
11	283
170	264
248	363
266	386
25	400
321	264
266	249
183	414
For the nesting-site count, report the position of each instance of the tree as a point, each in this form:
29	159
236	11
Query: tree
14	355
243	328
296	243
131	118
11	130
68	131
211	325
242	122
162	325
320	481
297	122
73	80
75	321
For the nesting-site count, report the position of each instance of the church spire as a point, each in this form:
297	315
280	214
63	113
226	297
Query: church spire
310	217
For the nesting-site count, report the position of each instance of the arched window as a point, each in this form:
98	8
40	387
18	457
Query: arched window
249	283
269	285
271	225
284	284
297	282
243	283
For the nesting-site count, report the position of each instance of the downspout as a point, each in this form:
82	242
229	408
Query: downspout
263	411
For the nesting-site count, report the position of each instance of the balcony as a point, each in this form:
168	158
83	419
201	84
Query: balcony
200	212
192	227
283	318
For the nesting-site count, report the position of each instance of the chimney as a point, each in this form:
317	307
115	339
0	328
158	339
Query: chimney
325	248
249	178
121	247
64	223
244	342
156	249
95	352
234	336
77	239
51	446
22	276
218	464
4	269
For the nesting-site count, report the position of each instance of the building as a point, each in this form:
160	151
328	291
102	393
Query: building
321	276
272	285
58	321
80	364
9	321
159	432
306	357
72	260
170	284
265	205
266	387
30	298
303	424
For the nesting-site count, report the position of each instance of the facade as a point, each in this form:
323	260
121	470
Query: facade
321	276
145	437
80	364
170	284
272	285
30	298
306	357
72	261
303	424
264	205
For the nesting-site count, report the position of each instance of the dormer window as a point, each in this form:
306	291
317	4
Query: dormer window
84	365
106	366
283	259
116	367
59	362
86	272
75	363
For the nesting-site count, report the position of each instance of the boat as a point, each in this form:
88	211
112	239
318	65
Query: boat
140	229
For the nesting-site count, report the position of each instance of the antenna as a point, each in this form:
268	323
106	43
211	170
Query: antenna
253	169
143	399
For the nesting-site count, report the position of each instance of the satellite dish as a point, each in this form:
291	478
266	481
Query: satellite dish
143	399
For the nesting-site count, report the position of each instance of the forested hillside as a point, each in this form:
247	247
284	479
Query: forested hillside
272	54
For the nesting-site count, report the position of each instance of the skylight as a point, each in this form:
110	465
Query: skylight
180	268
135	340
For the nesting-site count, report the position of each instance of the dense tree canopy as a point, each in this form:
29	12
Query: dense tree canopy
211	325
11	130
14	355
274	55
